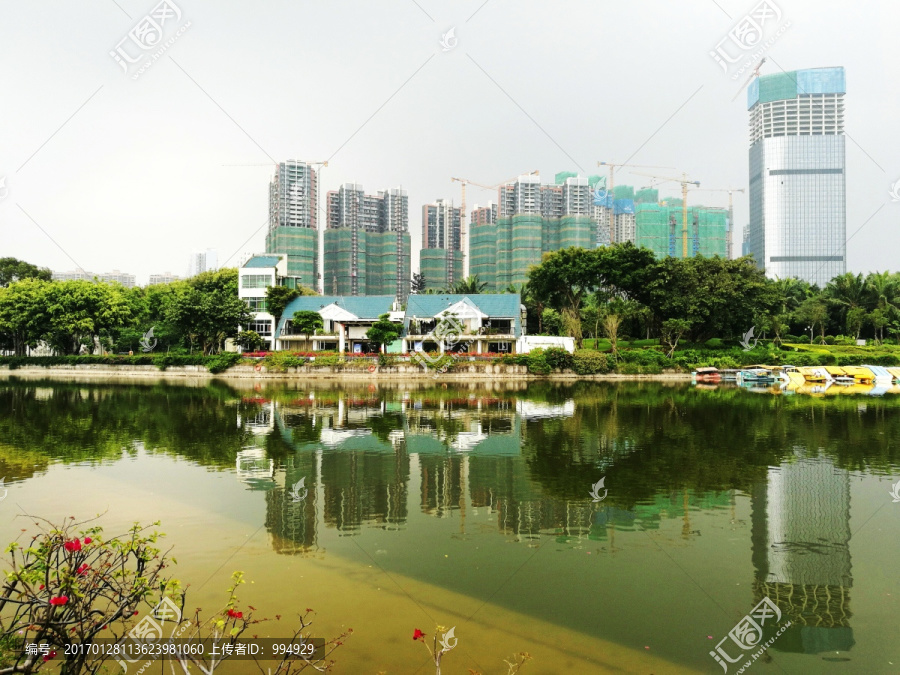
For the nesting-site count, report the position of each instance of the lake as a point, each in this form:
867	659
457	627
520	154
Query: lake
600	527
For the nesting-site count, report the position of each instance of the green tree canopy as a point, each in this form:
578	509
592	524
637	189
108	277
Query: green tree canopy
307	322
384	331
279	297
12	269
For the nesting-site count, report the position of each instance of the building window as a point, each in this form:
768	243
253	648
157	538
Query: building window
264	328
256	304
256	281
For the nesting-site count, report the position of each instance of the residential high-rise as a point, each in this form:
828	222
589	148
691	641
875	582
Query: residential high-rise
124	278
441	257
164	278
293	222
367	246
483	215
532	220
798	219
202	261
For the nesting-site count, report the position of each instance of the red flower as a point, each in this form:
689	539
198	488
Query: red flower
235	615
418	635
87	540
74	545
51	655
41	587
83	569
61	600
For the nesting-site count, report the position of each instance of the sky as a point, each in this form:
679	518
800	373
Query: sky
105	167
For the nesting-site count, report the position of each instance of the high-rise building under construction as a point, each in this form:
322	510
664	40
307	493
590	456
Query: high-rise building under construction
798	205
367	245
441	257
292	219
532	219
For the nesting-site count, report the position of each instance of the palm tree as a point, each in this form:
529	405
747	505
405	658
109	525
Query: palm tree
471	285
884	294
850	293
791	293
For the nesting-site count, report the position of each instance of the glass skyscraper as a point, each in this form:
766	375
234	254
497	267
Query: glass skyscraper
798	217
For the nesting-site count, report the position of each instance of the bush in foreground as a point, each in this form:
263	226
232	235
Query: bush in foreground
69	587
589	362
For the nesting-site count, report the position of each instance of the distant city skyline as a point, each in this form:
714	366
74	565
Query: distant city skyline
98	166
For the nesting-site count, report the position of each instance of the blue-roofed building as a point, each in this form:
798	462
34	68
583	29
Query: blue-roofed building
431	323
469	323
255	276
346	319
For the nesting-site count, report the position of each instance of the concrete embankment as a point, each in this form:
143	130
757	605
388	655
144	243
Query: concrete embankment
461	372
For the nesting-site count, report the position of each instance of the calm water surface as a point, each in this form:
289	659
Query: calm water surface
471	507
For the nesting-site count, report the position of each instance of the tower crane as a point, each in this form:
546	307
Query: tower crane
685	181
462	217
611	184
730	191
755	73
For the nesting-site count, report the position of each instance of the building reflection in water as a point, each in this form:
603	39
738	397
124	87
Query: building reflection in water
357	455
801	552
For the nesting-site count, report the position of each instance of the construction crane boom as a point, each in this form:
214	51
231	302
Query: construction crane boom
685	181
755	73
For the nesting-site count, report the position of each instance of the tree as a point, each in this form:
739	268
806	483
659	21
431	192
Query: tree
611	323
206	308
672	332
856	319
551	322
249	340
847	295
778	324
884	298
814	312
307	322
471	285
82	311
12	269
571	323
384	331
718	297
24	319
417	284
278	298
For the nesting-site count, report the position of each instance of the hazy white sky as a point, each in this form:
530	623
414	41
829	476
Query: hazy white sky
134	174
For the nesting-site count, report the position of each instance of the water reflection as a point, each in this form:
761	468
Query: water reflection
801	551
418	466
